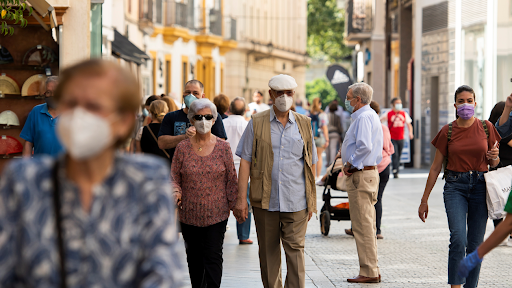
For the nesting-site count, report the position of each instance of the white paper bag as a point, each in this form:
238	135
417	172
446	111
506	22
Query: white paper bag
498	184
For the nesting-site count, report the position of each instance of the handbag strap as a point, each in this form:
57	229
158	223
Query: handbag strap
156	140
58	224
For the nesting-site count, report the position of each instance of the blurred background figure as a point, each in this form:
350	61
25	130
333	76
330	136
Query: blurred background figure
207	187
320	133
505	148
221	101
93	193
270	102
171	104
335	130
299	109
257	105
148	141
145	111
235	126
39	129
342	113
397	119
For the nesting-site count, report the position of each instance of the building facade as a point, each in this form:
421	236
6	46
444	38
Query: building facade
272	38
460	42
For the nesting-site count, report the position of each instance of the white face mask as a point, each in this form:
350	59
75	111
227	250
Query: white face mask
83	133
204	126
283	103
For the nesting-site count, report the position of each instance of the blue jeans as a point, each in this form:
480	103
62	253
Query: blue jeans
464	199
244	230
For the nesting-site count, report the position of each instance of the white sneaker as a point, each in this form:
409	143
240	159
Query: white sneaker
504	243
320	183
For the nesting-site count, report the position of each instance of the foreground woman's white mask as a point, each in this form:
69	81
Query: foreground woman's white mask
83	133
204	126
284	103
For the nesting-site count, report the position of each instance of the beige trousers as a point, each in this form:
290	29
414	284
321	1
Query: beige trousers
363	187
290	228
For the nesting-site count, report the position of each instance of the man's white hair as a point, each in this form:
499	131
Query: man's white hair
51	79
200	104
363	91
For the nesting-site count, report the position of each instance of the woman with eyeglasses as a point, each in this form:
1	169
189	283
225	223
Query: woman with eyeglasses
207	188
90	217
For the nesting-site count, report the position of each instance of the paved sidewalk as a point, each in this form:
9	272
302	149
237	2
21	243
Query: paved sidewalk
413	254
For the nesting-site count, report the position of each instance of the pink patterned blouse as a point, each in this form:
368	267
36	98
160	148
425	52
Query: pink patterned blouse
208	184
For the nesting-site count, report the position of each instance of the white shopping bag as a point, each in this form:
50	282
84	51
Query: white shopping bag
498	183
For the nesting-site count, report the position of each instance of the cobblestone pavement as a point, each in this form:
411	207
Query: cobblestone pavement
413	253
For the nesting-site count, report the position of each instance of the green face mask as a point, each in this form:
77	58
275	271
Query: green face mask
189	99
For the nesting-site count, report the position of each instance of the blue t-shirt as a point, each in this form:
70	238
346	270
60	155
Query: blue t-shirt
39	129
176	123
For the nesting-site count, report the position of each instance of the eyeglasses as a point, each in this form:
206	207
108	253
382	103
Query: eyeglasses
200	117
48	93
288	92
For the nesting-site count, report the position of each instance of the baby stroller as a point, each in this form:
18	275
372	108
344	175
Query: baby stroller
338	212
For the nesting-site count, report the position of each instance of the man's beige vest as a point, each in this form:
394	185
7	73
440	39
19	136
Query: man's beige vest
263	160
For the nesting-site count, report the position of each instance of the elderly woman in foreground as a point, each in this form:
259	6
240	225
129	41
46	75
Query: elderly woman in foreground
207	185
91	218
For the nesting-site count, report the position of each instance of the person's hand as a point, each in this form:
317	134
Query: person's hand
310	214
411	136
345	171
508	102
241	210
494	152
191	132
177	199
469	263
326	144
423	211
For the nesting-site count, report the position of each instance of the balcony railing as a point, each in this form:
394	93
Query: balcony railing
359	19
216	22
181	14
230	28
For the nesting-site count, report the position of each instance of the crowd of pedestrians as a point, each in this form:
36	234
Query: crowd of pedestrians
94	216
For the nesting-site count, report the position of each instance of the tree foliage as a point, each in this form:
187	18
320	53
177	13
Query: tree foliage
13	10
320	87
326	25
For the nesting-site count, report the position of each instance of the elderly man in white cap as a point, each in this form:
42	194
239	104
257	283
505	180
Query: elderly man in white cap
278	152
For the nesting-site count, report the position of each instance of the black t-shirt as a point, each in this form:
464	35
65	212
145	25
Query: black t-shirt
505	152
148	144
176	123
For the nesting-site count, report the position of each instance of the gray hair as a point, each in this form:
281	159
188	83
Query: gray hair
363	91
51	79
200	104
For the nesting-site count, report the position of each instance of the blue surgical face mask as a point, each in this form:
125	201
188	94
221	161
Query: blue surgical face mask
145	112
189	99
398	106
349	107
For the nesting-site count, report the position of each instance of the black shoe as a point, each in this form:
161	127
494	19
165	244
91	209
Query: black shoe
395	175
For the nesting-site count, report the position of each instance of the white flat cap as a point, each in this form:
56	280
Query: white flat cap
282	82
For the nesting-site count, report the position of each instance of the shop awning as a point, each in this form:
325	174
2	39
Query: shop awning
44	8
123	48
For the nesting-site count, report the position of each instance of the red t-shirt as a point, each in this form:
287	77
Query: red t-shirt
468	147
396	123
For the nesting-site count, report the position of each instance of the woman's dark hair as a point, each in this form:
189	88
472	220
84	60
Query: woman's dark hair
463	88
151	99
496	112
375	106
333	106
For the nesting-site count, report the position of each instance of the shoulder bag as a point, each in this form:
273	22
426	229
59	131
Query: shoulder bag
156	140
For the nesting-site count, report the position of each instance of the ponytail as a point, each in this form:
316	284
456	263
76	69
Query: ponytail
158	110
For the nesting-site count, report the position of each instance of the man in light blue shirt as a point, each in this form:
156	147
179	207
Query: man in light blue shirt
362	151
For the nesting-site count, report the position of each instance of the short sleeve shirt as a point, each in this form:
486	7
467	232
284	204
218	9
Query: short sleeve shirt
468	147
176	123
39	129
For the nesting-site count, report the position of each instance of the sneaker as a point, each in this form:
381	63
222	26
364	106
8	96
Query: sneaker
395	175
504	243
379	236
349	232
320	183
245	242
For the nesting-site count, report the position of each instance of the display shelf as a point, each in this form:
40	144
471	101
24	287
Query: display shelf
7	67
9	127
18	96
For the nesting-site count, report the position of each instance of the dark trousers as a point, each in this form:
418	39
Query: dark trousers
395	158
384	177
204	253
